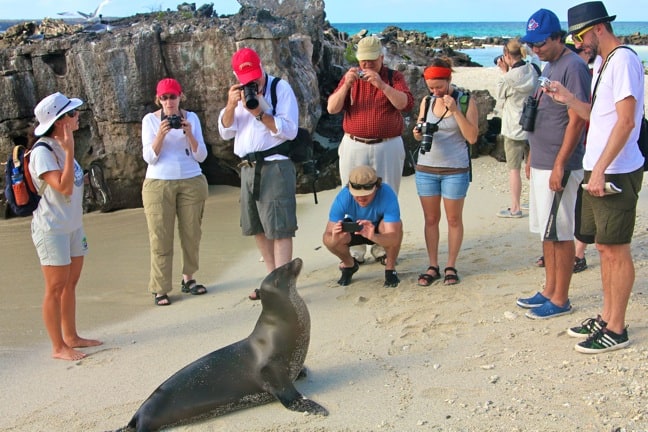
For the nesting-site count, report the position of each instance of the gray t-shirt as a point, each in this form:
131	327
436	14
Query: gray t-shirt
552	118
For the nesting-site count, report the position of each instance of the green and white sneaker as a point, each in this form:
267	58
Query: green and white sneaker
603	341
587	327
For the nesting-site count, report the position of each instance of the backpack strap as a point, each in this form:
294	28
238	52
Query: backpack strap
27	174
536	68
273	94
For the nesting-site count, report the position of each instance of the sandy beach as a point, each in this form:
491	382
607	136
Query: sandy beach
411	358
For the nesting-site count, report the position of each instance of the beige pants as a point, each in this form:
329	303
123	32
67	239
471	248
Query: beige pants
164	200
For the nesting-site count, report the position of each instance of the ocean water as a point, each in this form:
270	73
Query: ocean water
481	30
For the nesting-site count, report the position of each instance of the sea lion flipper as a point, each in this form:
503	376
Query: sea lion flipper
303	404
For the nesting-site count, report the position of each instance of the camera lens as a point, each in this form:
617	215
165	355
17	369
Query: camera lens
496	59
250	93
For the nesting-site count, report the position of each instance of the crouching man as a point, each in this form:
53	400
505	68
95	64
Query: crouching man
365	211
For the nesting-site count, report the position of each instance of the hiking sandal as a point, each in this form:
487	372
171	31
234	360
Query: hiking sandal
428	278
452	278
162	300
191	287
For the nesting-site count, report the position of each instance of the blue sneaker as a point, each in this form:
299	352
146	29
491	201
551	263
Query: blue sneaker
549	310
532	302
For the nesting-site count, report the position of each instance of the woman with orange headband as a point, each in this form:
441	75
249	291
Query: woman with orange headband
443	167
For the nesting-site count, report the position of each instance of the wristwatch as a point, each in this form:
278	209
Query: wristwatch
260	116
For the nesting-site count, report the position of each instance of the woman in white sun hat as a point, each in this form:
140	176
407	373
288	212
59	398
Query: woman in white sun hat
57	226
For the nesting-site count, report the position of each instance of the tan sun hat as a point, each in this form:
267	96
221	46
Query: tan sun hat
363	180
369	48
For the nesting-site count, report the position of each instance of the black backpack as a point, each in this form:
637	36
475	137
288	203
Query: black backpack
299	149
20	192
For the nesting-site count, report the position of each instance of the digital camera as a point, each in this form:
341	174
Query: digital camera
427	129
175	121
544	83
361	74
250	91
496	59
529	112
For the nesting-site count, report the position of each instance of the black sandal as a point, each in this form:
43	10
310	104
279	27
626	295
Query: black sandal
428	278
162	300
452	278
191	287
347	273
256	295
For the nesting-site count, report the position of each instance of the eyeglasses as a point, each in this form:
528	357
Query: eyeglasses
168	97
537	44
578	37
367	186
71	113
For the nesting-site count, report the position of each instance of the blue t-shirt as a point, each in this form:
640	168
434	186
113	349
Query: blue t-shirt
384	206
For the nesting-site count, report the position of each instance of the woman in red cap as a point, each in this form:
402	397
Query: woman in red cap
173	148
443	166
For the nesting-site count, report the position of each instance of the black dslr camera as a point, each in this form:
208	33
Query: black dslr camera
496	59
427	129
175	121
529	112
250	91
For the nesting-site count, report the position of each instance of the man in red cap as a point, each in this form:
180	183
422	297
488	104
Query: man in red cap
268	178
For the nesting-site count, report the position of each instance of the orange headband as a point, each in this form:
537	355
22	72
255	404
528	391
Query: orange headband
437	72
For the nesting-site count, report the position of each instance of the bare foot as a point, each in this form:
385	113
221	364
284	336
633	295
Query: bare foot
68	353
79	342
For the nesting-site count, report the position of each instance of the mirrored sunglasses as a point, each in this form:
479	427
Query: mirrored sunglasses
168	97
367	186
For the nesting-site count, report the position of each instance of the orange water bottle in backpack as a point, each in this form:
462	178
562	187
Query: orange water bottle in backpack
19	187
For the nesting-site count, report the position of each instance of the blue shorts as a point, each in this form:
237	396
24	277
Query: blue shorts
449	186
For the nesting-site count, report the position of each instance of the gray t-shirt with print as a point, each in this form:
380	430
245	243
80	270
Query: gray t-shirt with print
552	118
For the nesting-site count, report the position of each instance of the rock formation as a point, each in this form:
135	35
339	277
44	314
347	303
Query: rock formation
115	71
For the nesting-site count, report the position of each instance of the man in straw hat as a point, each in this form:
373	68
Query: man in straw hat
364	212
611	156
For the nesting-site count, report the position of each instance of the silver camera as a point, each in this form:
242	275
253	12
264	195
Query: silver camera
544	83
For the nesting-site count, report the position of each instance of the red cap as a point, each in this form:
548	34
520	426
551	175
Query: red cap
169	86
246	64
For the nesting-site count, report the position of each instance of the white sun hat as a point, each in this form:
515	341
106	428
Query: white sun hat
51	108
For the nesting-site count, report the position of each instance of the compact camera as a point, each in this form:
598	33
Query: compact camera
427	129
496	59
175	121
544	83
250	91
361	74
529	112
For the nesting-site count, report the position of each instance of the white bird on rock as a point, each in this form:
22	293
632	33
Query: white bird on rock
90	17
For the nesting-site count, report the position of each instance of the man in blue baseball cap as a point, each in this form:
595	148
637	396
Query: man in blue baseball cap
554	166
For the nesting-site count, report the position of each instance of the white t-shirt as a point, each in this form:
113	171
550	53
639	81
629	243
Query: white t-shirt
56	213
622	77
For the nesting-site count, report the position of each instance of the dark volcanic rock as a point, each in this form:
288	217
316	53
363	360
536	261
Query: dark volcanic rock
114	67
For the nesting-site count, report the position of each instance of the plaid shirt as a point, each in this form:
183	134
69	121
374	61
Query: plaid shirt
367	111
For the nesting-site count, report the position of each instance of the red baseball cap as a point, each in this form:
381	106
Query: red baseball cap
246	65
169	86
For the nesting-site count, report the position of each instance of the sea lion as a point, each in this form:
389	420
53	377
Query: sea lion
251	372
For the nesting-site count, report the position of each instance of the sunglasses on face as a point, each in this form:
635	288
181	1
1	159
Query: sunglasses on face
537	44
367	186
71	113
578	37
168	97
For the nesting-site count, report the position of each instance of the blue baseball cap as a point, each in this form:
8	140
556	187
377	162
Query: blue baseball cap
540	26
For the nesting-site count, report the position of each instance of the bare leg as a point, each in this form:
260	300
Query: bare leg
68	308
266	247
617	275
559	266
432	216
580	249
454	215
55	280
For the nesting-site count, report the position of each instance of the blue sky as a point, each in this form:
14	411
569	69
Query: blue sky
339	11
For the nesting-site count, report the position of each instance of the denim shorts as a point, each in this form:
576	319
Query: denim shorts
449	186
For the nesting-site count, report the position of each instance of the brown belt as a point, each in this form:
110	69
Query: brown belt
367	140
